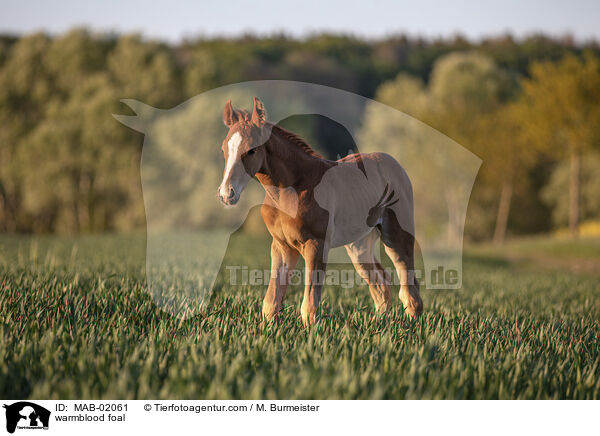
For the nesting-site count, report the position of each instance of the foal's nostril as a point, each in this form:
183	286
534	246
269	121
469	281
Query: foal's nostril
231	193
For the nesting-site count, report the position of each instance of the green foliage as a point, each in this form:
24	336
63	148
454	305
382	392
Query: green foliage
563	113
78	323
66	166
466	98
562	98
481	105
555	193
406	93
469	82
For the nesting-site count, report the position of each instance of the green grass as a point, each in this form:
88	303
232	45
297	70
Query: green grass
543	246
77	322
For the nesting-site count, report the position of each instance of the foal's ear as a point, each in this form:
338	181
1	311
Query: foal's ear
230	117
259	114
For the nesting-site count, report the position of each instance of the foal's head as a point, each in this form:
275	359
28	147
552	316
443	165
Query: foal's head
242	149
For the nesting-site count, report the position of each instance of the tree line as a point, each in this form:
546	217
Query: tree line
529	108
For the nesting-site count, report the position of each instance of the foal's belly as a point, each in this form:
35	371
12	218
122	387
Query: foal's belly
341	238
348	226
348	195
348	219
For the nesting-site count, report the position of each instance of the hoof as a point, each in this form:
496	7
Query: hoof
414	309
269	313
309	318
383	308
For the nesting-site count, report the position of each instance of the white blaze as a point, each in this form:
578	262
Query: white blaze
232	154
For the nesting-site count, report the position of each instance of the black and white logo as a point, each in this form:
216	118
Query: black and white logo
26	415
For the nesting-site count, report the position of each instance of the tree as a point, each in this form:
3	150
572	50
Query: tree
563	115
464	88
25	88
464	100
553	192
145	71
507	156
441	171
467	92
85	184
406	93
57	92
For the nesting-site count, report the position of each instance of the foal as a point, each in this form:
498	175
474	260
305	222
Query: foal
313	204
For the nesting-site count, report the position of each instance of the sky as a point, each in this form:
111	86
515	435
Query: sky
173	20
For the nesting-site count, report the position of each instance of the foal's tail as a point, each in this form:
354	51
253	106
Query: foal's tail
402	201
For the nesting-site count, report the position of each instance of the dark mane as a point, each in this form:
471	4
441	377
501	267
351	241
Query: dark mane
296	140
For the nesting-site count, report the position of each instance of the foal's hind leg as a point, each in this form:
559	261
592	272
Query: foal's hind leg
400	246
363	257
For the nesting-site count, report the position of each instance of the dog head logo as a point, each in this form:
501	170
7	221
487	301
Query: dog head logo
26	415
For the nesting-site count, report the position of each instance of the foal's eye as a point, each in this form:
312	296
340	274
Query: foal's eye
251	152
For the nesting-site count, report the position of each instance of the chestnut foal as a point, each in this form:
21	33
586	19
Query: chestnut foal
313	204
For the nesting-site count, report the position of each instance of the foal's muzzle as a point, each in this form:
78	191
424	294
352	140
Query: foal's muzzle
228	198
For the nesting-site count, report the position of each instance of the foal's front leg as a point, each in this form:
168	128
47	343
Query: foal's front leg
283	261
315	261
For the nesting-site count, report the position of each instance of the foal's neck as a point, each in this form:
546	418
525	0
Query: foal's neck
288	165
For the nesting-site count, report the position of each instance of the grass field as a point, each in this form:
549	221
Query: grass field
77	322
